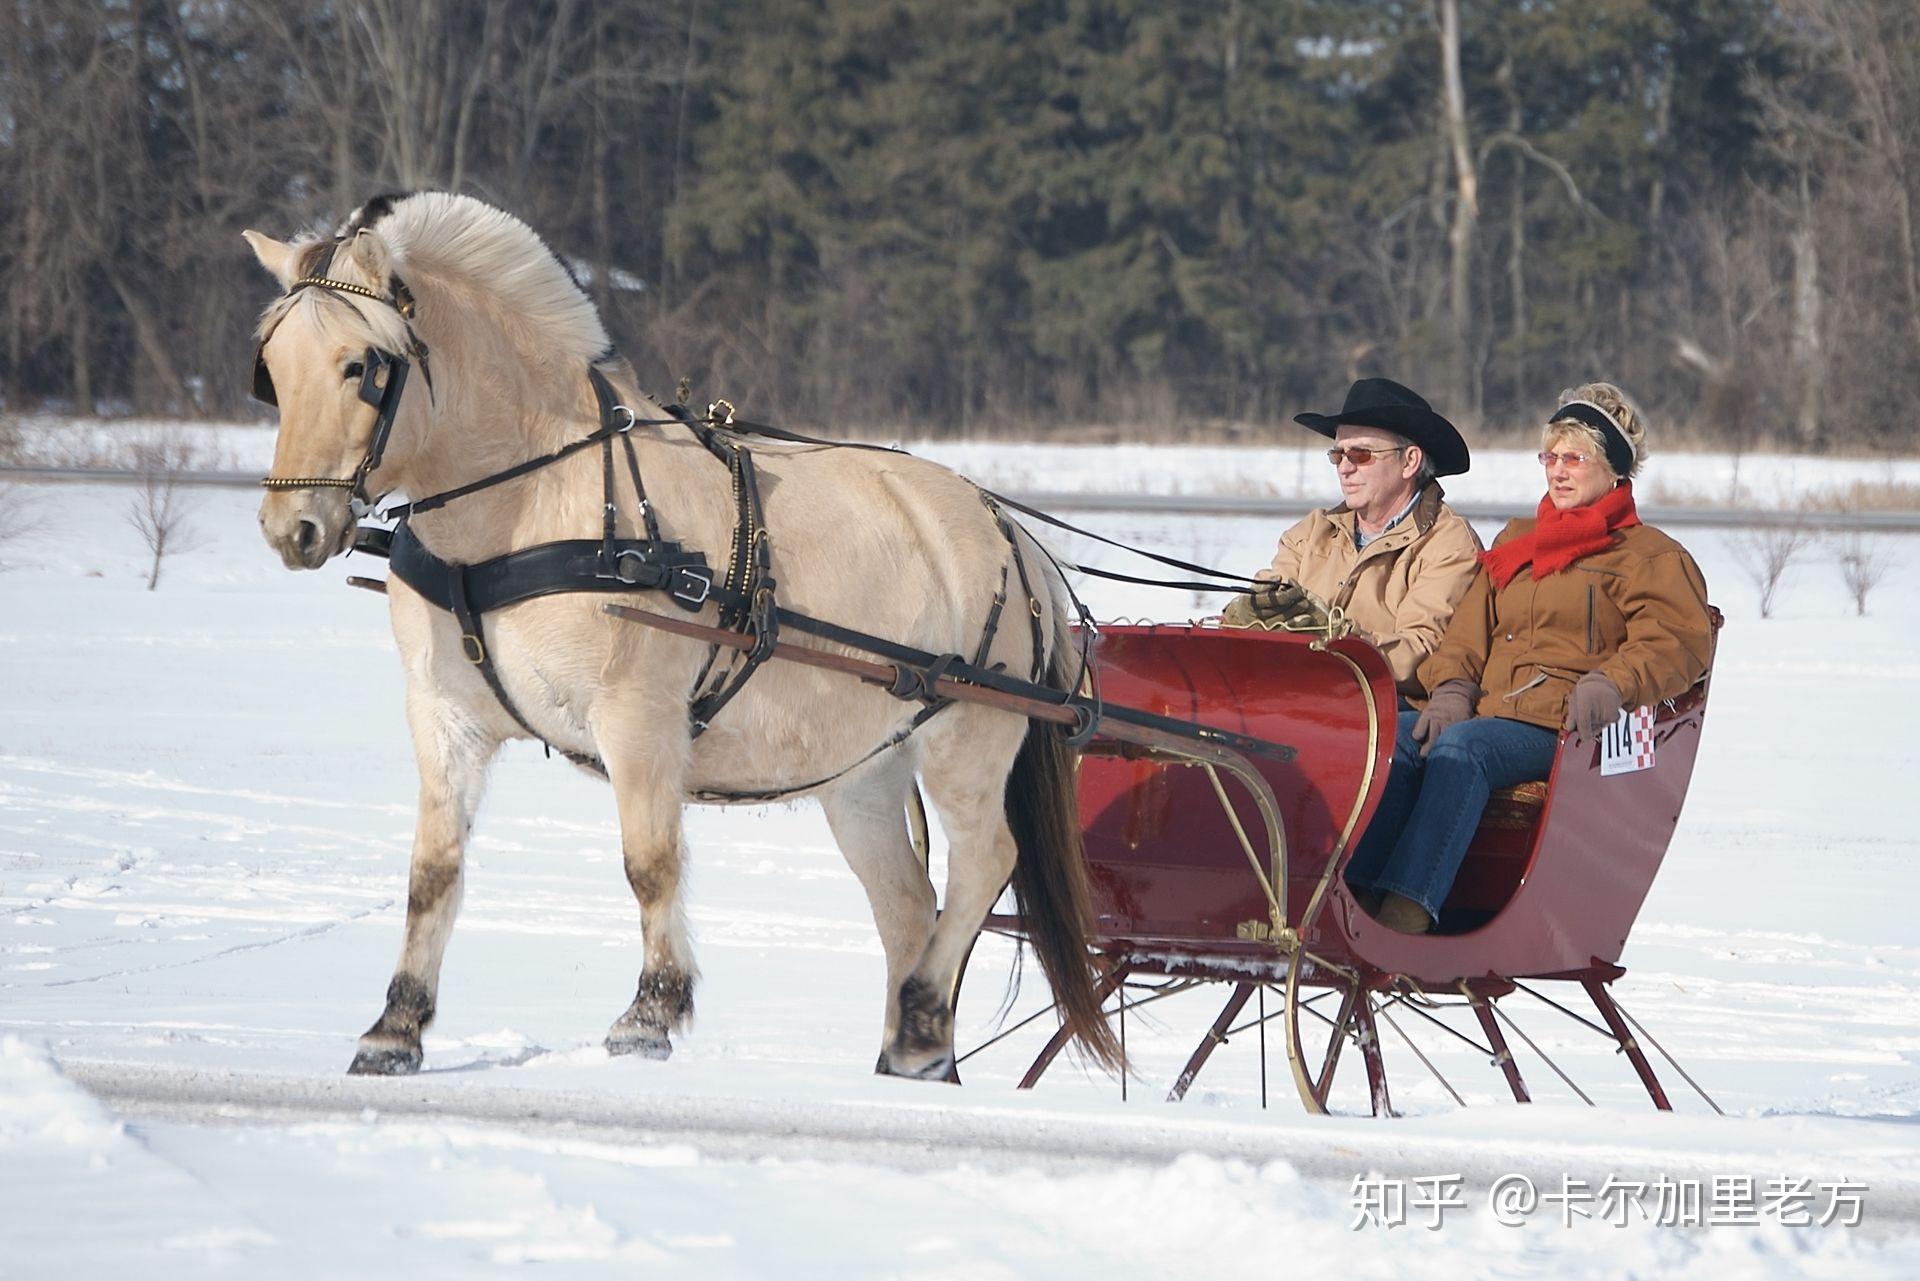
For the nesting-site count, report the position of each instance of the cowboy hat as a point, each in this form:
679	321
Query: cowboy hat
1384	403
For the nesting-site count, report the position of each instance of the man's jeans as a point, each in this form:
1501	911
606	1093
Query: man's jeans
1427	816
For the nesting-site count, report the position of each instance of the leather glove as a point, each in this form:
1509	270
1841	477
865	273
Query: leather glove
1271	600
1288	605
1594	705
1239	613
1450	704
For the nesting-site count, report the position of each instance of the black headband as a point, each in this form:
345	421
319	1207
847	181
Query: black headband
1619	448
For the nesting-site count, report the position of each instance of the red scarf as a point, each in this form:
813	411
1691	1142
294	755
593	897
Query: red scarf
1560	538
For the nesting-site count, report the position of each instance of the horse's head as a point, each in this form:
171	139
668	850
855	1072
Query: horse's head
334	355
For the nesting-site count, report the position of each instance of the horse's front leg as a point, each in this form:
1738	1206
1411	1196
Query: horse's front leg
452	755
646	779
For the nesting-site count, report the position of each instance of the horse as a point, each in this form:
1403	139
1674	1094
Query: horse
511	357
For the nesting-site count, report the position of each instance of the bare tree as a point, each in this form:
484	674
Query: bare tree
21	514
1466	206
1862	566
159	511
1766	554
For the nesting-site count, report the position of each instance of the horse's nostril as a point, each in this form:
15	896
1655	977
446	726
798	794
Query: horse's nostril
305	535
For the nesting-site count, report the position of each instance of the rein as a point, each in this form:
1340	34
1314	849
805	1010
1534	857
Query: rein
745	598
1238	582
749	614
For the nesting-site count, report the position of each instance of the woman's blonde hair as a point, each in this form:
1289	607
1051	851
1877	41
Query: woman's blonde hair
1616	405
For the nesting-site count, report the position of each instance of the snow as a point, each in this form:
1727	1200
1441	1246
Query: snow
206	802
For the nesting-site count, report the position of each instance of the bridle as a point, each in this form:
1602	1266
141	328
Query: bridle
383	377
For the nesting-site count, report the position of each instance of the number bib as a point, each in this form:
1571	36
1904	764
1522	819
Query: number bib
1627	745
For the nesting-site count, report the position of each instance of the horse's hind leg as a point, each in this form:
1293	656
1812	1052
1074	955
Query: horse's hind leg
652	850
967	757
453	758
868	818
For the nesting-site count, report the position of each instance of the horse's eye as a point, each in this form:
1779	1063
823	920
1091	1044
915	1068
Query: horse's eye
353	370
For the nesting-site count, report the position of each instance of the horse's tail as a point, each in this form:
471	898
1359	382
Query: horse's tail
1050	877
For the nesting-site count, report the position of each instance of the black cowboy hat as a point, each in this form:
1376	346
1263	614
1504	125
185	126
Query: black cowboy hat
1384	403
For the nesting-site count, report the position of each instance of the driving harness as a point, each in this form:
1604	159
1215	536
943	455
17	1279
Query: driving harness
745	597
609	563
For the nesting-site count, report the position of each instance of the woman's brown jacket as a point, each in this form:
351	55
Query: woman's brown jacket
1635	612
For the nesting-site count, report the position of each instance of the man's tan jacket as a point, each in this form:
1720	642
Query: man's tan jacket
1400	592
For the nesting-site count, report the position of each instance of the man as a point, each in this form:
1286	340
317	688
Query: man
1393	557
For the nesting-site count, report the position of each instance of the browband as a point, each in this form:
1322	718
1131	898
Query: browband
401	300
1619	448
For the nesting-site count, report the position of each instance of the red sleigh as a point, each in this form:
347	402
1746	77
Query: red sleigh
1233	877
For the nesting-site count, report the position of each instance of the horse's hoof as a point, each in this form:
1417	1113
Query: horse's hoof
387	1062
941	1068
640	1046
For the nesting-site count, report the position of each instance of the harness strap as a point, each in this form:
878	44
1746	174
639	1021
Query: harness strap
993	621
898	737
1039	663
572	565
473	644
909	682
615	419
747	600
640	491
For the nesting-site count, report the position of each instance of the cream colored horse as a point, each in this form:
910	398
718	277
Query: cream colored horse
894	545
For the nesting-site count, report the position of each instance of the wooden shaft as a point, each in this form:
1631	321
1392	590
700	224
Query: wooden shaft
946	686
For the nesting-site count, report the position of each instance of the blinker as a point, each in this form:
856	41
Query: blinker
373	388
262	380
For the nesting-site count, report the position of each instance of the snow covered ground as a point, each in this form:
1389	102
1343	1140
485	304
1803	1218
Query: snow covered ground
205	809
1292	467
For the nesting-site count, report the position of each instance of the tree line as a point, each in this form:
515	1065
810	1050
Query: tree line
1164	216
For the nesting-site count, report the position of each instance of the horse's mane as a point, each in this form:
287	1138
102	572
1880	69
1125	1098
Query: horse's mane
486	255
465	244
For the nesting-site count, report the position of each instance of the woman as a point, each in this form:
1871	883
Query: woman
1573	615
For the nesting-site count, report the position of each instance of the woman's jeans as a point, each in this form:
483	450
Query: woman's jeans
1431	806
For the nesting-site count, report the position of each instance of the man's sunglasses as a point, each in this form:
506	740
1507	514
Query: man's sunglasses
1360	457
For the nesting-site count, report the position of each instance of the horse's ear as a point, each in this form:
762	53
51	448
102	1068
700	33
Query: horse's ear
275	255
368	251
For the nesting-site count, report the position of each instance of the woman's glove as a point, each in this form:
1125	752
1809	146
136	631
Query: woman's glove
1450	704
1595	704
